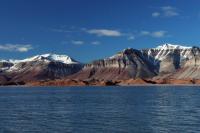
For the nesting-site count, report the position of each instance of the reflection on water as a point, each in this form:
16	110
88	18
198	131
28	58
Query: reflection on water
100	109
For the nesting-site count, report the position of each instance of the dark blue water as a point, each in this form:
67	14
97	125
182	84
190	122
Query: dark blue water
100	109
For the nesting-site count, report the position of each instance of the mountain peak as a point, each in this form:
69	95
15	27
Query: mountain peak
60	58
172	46
127	49
49	57
54	57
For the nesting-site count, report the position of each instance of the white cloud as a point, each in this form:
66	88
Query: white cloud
155	34
169	11
95	43
131	37
155	14
16	47
105	32
158	34
166	11
77	42
144	33
168	8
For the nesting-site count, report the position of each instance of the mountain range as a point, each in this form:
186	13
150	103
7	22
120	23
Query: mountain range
167	63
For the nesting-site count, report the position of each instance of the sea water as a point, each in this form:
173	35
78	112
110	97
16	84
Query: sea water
138	109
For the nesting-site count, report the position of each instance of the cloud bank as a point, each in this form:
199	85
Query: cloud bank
105	32
95	43
16	47
77	42
166	11
155	34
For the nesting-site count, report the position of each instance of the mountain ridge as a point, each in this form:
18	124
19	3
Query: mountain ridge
166	61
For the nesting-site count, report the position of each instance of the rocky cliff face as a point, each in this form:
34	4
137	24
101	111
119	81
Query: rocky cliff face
178	61
190	69
174	60
170	58
129	63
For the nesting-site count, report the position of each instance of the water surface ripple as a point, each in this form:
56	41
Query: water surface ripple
100	109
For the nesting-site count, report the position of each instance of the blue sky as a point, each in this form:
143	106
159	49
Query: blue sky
92	29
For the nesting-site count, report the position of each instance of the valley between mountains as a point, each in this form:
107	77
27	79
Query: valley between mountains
165	64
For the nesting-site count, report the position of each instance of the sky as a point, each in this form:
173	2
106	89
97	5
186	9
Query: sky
94	29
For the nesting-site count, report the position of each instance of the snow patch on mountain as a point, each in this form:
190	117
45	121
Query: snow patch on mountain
168	46
47	57
162	51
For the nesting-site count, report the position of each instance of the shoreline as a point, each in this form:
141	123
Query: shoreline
100	83
133	85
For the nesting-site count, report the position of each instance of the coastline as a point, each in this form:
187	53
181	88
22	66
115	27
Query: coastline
132	85
97	82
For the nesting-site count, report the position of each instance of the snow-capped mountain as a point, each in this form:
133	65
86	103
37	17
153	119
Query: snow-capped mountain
146	63
40	67
46	57
164	50
168	46
169	57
